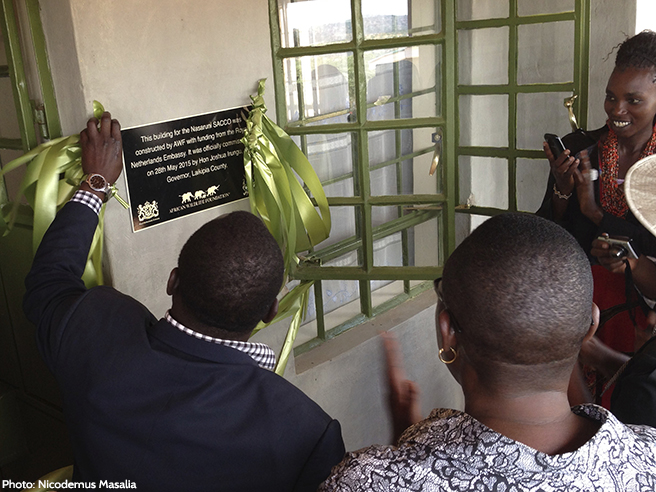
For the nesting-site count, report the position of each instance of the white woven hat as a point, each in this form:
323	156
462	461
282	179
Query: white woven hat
640	191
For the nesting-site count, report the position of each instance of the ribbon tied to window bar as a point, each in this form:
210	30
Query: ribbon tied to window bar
273	165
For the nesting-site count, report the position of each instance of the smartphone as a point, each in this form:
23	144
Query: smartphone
555	144
620	246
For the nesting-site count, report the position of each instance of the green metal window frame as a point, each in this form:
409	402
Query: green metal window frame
579	86
439	203
31	114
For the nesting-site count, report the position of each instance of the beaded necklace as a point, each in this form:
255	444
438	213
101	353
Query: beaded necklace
611	193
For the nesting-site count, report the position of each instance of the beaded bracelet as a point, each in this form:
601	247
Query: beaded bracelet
559	194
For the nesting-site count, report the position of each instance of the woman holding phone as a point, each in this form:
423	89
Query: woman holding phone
585	191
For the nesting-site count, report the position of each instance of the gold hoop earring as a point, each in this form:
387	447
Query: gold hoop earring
440	354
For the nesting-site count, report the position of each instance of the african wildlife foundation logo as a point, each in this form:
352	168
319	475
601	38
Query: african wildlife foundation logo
188	196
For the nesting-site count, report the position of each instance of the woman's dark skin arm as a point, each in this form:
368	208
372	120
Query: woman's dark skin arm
403	393
604	359
562	170
584	184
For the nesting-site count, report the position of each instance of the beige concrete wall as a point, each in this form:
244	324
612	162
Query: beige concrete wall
611	23
150	61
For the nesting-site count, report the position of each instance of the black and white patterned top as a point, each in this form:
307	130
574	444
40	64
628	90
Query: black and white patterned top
452	451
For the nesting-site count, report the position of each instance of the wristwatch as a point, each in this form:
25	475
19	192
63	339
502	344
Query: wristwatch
97	182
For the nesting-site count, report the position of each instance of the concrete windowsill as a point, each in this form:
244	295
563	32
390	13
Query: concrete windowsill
363	332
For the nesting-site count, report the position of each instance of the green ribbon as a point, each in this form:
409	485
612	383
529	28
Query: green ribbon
53	172
273	163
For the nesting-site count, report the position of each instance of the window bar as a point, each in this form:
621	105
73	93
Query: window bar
582	58
279	82
300	95
403	157
398	140
513	61
332	114
43	68
11	143
17	74
318	303
365	231
449	97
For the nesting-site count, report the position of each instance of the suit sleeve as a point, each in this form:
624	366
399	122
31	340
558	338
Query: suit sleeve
54	284
327	453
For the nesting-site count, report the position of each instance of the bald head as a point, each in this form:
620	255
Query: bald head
520	289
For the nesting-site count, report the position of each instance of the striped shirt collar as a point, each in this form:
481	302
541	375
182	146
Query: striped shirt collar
259	352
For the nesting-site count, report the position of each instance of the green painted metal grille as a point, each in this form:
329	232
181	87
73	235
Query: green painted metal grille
578	20
12	21
308	65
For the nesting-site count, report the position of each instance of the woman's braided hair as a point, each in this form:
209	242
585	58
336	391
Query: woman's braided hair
638	51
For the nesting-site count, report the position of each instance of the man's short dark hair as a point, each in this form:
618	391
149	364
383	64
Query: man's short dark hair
230	272
520	288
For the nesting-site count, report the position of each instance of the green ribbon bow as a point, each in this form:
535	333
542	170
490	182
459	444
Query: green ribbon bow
273	164
53	172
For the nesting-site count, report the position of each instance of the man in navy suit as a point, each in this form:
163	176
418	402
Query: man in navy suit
186	402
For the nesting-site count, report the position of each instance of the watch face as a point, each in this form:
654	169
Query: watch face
97	182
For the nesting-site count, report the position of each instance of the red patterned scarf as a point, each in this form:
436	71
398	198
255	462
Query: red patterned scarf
611	193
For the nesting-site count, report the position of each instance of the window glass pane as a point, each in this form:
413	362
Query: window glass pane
401	82
415	244
400	161
532	7
343	226
331	156
545	53
385	290
483	181
318	89
541	113
484	120
396	18
308	329
382	215
466	223
314	22
482	9
340	303
388	251
532	176
483	56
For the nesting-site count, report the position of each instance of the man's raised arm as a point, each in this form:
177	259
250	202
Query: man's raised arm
54	283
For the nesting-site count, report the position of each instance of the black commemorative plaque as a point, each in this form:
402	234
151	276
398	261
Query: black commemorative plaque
179	167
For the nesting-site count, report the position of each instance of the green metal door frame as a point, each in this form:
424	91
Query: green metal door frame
15	70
